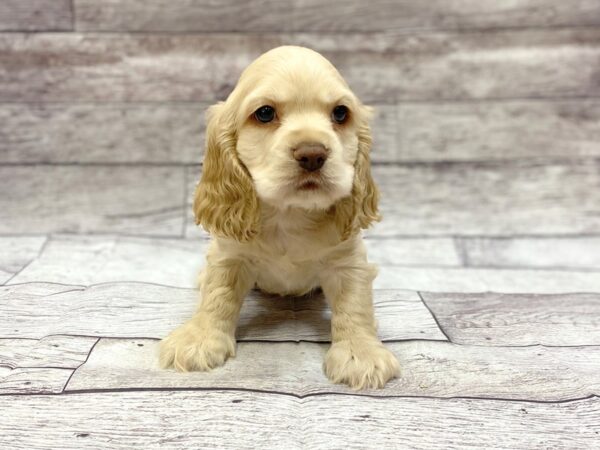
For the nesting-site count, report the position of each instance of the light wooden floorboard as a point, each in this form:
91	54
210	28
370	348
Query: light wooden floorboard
438	369
498	319
34	15
16	252
51	351
38	380
141	200
166	67
311	15
85	260
36	310
448	279
224	419
555	253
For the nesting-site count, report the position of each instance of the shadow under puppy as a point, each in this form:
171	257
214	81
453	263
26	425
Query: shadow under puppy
286	187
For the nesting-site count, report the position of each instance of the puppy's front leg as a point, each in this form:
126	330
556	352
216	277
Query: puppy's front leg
356	357
208	338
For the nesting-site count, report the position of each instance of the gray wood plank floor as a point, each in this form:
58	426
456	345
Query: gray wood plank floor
486	150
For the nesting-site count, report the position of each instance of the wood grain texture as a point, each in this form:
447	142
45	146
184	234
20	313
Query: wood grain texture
51	351
193	15
86	260
97	133
36	15
557	253
478	199
127	133
449	279
504	130
224	419
377	15
39	380
16	252
489	198
140	200
499	319
313	15
385	68
147	310
438	369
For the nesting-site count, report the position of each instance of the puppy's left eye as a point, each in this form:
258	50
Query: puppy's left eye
339	114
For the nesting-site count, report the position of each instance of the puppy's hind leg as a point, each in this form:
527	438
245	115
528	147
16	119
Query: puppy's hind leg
208	338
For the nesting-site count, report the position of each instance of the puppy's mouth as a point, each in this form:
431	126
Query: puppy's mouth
311	182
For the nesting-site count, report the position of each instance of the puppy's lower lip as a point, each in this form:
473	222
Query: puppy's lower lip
309	186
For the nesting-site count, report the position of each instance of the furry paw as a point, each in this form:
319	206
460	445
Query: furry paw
194	348
360	364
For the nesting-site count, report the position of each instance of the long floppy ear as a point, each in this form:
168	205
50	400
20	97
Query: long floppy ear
225	202
361	208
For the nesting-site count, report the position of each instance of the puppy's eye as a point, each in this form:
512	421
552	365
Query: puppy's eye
265	114
339	114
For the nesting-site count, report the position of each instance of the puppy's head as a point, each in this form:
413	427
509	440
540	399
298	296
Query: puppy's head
291	134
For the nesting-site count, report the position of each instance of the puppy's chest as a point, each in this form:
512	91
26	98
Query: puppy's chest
288	262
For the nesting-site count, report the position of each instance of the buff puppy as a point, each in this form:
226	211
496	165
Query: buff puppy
286	188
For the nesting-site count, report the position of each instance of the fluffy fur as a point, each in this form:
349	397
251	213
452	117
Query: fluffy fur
271	231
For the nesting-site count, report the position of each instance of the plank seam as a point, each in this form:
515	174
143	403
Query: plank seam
298	396
39	253
437	322
75	370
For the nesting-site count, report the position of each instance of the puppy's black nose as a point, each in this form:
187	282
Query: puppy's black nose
311	156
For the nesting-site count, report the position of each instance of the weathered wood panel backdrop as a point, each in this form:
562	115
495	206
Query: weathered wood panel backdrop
487	151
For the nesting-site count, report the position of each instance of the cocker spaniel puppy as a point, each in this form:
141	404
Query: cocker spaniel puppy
286	187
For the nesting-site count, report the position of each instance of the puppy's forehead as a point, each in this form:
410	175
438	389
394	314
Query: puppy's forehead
285	72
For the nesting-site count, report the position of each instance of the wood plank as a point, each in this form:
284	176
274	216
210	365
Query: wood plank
40	380
147	310
556	253
439	369
141	200
313	15
504	130
224	419
86	260
377	15
58	133
16	252
500	319
489	199
448	279
193	15
36	15
499	199
125	133
51	351
479	65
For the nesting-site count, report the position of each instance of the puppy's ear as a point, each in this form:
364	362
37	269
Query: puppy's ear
361	208
225	202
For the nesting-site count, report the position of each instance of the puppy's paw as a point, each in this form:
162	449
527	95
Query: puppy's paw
360	364
194	348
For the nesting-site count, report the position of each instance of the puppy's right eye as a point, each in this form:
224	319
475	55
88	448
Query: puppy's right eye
265	114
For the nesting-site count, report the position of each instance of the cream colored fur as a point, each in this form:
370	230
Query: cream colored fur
269	233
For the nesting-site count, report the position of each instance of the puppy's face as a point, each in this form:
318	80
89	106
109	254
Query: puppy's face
297	124
290	134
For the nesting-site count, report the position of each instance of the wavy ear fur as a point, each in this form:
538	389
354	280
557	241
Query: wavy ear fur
361	208
225	202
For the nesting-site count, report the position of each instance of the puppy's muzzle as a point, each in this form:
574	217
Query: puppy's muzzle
310	155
